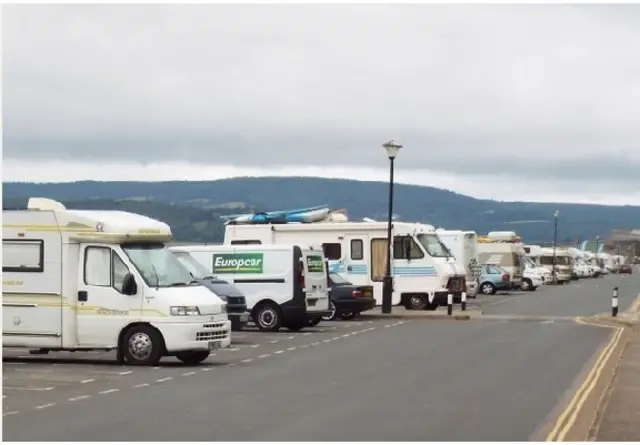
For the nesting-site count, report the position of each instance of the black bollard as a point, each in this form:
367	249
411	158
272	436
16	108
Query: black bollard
463	302
449	304
614	302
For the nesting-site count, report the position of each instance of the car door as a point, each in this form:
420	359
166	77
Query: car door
103	310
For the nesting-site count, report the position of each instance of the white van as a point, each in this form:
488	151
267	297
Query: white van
424	271
284	285
464	247
79	280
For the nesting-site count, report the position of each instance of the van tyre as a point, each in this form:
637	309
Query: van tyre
526	285
192	357
488	288
417	303
315	321
267	317
142	345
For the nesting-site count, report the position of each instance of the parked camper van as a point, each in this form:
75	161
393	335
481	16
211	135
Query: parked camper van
563	268
284	284
81	280
464	247
424	271
503	249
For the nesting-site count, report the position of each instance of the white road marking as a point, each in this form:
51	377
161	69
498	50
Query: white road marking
233	349
125	373
247	360
315	343
10	413
27	388
75	399
48	405
109	391
187	374
306	333
304	346
164	379
88	381
265	356
141	385
206	369
279	352
345	335
291	349
291	337
326	341
273	342
255	346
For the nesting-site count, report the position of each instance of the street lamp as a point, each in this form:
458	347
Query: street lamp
392	148
555	242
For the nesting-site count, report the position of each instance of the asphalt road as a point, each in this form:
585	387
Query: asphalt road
584	297
377	380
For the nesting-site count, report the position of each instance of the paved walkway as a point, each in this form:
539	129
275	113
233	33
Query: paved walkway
620	421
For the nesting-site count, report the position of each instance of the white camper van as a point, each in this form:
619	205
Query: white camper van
424	271
564	263
284	285
464	247
81	280
503	249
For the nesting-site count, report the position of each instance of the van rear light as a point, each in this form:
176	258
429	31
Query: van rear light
505	277
357	294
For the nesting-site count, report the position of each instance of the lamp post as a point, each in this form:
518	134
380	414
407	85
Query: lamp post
555	242
392	148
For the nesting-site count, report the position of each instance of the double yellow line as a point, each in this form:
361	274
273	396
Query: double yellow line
570	414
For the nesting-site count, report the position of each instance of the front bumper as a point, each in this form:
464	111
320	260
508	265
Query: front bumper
195	336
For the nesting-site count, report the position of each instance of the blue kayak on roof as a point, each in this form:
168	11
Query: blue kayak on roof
305	215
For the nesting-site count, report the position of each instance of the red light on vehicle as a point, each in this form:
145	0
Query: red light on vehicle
356	294
505	277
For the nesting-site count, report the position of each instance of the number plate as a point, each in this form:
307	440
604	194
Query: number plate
213	345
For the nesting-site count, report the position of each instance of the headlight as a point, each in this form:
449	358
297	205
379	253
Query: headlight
224	307
223	298
185	310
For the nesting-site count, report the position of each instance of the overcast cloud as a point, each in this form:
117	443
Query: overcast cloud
547	97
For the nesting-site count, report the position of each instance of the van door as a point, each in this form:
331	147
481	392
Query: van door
315	280
356	259
103	310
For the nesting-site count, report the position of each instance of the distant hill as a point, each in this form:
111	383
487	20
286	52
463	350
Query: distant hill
193	208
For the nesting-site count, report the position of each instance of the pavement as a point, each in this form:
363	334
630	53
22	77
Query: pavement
376	379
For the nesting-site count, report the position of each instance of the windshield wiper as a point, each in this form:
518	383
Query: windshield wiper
178	284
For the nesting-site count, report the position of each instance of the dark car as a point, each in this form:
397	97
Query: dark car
348	299
236	301
625	268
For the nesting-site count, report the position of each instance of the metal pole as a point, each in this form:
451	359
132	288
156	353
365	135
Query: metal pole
387	285
555	242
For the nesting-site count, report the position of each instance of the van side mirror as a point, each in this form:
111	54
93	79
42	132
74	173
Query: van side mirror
129	286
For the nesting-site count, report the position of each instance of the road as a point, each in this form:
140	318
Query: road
423	380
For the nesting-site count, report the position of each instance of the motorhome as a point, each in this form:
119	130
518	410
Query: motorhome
283	284
563	264
424	271
464	247
533	275
503	249
86	279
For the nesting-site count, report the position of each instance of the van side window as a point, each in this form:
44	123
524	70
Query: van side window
357	249
244	242
21	255
332	251
97	266
119	270
401	246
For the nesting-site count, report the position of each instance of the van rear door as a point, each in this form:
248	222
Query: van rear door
315	279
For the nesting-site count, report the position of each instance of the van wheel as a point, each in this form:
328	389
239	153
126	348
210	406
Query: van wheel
268	317
332	315
526	284
418	303
192	357
142	345
487	288
315	321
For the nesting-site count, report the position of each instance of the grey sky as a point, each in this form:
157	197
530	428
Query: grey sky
546	90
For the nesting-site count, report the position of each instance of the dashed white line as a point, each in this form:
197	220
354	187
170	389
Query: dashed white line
157	367
255	346
265	356
335	338
233	349
206	369
247	360
326	341
304	346
75	399
346	335
109	391
140	385
387	325
315	343
306	333
291	337
88	381
10	413
273	342
293	348
187	374
231	364
164	379
279	352
125	372
47	405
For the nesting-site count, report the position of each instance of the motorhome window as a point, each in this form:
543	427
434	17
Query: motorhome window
378	259
119	271
563	261
357	249
244	242
433	245
404	245
97	266
157	265
192	265
22	255
332	251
